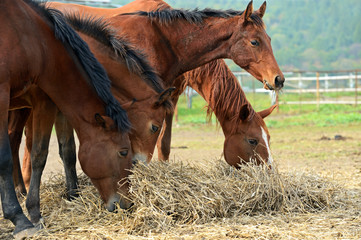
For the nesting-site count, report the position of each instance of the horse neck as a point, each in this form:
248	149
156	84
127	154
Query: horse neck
178	47
126	86
51	67
216	83
67	87
73	96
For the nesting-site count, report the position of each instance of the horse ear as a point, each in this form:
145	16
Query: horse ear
164	96
127	105
267	111
104	121
248	12
244	112
260	12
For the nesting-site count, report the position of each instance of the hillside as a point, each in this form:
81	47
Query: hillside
306	34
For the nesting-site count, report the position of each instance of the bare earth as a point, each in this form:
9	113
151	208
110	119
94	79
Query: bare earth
307	149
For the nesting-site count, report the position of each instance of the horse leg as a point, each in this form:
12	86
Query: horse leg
17	119
43	120
67	152
165	136
26	166
10	205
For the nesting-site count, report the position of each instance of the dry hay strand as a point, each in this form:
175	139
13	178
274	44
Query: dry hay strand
169	195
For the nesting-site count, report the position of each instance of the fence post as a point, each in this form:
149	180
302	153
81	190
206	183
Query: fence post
299	90
326	81
318	89
356	86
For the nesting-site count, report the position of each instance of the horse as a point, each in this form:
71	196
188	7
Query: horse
246	134
41	50
167	18
146	106
176	41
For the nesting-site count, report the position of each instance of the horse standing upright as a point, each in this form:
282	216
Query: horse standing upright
60	64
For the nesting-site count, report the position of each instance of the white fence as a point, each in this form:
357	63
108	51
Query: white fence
329	87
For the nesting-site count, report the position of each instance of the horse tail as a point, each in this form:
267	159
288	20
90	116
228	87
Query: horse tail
98	77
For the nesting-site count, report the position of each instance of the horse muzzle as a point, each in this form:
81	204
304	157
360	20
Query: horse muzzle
115	201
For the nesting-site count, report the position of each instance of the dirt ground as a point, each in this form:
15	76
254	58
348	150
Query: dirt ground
296	148
331	152
310	149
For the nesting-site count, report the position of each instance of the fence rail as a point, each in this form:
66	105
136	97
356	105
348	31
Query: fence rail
341	82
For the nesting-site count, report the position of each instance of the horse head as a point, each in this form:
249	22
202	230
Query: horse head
253	51
147	117
106	160
249	142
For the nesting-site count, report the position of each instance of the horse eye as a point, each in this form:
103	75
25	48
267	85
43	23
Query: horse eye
123	153
253	142
154	128
255	43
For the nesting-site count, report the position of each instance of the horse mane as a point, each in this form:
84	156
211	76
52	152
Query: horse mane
97	76
195	16
227	96
135	61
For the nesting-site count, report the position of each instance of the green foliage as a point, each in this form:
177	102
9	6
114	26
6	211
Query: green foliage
306	34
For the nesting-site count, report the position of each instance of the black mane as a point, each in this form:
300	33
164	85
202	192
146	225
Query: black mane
97	76
196	16
135	61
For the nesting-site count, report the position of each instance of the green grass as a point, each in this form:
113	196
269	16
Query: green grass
287	115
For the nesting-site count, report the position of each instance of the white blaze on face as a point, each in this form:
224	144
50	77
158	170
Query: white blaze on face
140	157
110	205
264	136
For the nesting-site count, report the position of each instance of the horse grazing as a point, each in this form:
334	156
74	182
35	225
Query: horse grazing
39	49
134	84
176	41
246	134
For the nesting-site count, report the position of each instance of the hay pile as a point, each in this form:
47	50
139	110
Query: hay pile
169	194
173	195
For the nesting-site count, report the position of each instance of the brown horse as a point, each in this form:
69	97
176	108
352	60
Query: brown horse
246	134
251	51
146	108
144	105
168	42
40	49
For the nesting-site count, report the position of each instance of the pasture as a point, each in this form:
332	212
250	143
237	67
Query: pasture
314	194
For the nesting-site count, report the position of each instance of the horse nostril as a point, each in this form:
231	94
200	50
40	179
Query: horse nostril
279	81
134	161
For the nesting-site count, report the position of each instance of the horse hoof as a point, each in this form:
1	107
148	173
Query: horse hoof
40	225
27	233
